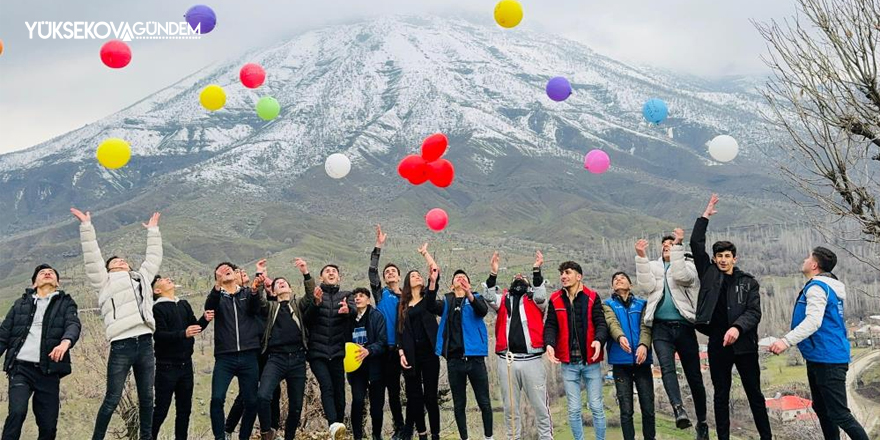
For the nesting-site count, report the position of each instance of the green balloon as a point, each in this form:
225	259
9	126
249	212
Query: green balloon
268	108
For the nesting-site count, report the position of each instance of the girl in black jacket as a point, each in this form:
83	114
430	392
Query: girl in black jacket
416	338
368	331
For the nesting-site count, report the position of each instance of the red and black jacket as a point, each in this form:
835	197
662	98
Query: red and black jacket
589	320
534	324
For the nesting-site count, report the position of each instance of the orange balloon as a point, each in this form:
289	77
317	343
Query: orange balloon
1	47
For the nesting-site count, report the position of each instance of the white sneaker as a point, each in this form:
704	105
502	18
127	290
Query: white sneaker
337	431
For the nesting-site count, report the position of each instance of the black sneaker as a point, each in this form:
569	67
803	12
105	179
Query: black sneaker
681	418
702	431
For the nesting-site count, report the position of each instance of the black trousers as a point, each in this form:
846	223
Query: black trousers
624	378
361	384
26	379
290	367
421	394
177	380
460	371
330	375
828	389
671	337
237	409
721	362
391	380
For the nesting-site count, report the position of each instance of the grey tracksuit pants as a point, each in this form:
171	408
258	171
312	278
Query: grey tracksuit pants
529	377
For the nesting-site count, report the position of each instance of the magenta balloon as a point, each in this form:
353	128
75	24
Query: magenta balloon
558	89
436	219
597	161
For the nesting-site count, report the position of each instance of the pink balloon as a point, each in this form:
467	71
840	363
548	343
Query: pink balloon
436	219
597	161
252	75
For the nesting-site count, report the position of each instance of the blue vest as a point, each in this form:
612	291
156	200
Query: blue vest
827	345
388	308
474	334
630	320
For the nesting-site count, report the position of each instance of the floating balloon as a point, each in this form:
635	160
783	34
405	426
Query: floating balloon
441	172
115	54
213	97
414	169
113	153
201	18
558	89
252	75
508	13
1	47
268	108
597	161
337	165
436	219
655	111
434	146
350	362
723	148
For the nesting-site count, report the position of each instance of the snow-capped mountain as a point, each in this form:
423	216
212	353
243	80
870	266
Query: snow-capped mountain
374	90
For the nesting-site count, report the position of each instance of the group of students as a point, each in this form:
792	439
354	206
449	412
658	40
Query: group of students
264	335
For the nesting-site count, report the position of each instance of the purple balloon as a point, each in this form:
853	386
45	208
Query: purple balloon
558	89
201	15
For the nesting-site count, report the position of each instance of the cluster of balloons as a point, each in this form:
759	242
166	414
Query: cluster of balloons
429	166
252	76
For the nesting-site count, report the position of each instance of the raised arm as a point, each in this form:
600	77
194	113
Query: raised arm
645	280
96	272
373	272
702	261
680	269
490	288
153	260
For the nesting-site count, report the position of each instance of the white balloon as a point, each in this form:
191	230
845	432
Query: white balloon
337	165
723	148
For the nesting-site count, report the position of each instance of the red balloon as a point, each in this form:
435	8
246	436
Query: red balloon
115	54
436	219
441	173
252	75
434	146
414	169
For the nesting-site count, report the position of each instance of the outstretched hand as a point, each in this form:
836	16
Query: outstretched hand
301	265
539	259
380	236
423	249
153	222
494	262
679	235
87	217
261	266
710	208
641	247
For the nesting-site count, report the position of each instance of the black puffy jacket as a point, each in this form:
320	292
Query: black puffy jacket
236	325
328	327
743	295
61	321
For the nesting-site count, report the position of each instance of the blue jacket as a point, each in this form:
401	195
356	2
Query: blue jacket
386	304
475	335
628	316
828	344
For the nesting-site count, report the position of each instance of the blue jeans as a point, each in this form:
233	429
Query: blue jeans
244	366
592	376
125	355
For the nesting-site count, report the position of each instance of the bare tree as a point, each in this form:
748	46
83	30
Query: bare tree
824	94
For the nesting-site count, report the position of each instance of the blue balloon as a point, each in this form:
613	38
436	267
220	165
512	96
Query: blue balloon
655	111
201	15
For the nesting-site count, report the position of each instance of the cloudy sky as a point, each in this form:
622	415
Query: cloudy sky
49	87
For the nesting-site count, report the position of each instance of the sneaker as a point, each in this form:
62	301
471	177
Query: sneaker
702	431
229	436
681	418
337	431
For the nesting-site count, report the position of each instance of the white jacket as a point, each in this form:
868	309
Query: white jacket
684	283
127	310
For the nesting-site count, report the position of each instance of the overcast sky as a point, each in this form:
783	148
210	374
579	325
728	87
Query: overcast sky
50	87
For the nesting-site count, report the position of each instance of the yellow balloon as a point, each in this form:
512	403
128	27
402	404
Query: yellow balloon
113	153
508	13
213	97
350	362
